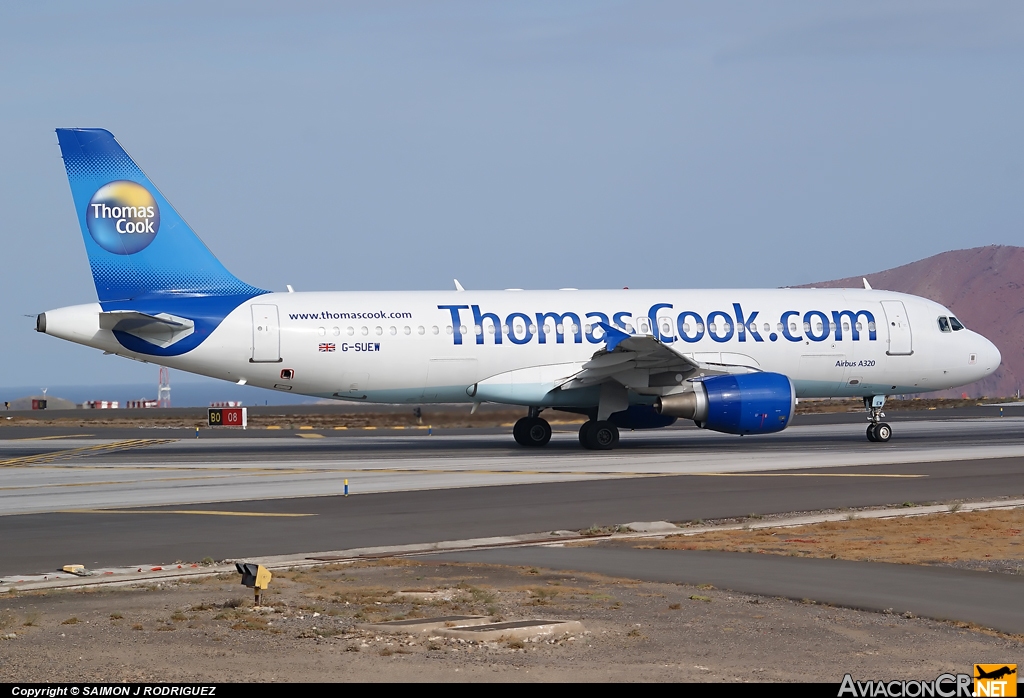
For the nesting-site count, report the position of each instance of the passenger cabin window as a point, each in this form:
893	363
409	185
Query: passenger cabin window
944	324
956	324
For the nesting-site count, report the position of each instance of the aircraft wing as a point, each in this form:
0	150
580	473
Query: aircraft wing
649	366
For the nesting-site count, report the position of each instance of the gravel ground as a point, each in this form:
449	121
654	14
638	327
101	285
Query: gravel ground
991	540
206	630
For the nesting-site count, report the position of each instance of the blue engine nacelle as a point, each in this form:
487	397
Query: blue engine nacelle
640	417
751	403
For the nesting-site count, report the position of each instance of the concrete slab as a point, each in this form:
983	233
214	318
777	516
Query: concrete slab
515	630
652	527
424	626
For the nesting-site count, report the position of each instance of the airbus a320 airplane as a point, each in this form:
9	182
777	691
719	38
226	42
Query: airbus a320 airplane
734	361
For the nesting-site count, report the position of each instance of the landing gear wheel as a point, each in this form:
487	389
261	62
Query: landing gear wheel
883	432
871	433
532	431
584	433
602	436
517	431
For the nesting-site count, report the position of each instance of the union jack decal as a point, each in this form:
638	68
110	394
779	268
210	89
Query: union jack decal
327	346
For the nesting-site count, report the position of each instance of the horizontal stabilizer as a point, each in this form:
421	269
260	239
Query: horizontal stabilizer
162	330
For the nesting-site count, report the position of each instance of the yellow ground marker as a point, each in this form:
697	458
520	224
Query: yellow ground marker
310	436
202	512
47	438
305	428
272	427
340	428
96	449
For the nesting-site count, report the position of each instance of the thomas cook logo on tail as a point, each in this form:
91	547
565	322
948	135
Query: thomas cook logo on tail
123	217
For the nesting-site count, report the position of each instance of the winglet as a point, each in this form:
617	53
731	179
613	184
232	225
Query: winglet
612	335
458	286
867	286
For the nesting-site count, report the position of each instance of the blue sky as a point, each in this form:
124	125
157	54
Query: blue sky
395	145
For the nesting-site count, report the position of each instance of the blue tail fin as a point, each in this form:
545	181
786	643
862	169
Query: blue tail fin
137	243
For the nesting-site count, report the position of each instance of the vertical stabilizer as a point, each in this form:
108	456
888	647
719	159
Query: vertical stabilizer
138	245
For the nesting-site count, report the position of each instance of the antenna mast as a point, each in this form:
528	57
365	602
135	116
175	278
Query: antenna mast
163	395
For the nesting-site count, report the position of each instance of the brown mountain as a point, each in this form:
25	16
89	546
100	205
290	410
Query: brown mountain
984	287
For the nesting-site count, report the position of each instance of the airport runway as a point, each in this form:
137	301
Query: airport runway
61	474
111	502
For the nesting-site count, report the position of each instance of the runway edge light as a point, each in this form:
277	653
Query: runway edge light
255	576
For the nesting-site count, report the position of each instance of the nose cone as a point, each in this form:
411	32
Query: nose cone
989	357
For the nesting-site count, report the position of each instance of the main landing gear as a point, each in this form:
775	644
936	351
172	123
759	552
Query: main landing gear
532	430
536	432
878	431
599	436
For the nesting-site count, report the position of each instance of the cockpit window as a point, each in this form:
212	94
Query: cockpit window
944	324
957	326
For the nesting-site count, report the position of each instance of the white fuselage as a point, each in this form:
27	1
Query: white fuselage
435	346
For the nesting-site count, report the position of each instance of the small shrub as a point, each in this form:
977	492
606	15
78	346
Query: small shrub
70	621
116	616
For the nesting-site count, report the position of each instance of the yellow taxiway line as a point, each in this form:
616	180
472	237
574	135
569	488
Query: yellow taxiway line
83	451
201	512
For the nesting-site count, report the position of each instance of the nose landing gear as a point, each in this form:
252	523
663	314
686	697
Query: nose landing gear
878	431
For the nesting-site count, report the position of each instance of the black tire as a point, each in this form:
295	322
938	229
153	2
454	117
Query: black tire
519	430
602	436
584	431
883	432
537	433
871	433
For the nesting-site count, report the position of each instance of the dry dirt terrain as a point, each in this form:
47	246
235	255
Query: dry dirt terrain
207	630
989	540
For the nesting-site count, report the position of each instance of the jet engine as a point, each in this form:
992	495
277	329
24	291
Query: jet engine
751	403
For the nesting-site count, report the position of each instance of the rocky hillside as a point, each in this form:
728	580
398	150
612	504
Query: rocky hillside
984	287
